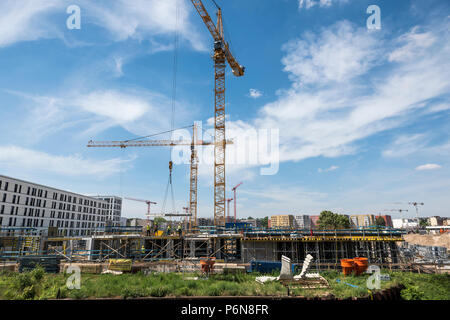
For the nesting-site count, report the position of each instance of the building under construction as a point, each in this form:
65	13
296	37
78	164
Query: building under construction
228	245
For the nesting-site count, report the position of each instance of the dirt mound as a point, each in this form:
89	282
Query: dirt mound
442	240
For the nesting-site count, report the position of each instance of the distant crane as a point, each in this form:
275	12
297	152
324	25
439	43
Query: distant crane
148	202
398	210
417	204
234	190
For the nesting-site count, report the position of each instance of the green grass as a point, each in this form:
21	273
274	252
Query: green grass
38	285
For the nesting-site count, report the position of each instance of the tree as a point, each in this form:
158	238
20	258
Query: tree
330	220
379	222
423	222
265	222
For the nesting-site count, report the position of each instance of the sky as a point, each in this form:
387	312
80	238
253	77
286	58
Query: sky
359	116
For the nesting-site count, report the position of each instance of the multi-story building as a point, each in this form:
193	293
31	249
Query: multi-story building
362	220
114	209
404	223
27	204
282	221
435	221
302	222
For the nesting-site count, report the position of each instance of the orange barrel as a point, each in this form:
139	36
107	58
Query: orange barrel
347	266
361	265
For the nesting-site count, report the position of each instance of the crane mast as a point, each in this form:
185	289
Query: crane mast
222	54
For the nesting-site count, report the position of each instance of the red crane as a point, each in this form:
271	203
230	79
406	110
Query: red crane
148	202
234	190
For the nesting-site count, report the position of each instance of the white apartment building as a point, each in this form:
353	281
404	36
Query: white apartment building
404	223
27	204
302	222
114	208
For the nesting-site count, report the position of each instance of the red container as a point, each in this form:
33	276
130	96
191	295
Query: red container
348	266
361	265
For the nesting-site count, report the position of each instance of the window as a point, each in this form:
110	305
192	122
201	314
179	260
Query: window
16	186
2	209
4	197
6	186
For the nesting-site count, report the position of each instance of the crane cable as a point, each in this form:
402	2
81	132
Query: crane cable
174	96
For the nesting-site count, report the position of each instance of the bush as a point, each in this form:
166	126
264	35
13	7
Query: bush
412	293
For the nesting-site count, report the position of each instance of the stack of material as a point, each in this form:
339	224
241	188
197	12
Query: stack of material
120	265
286	269
94	268
306	264
50	264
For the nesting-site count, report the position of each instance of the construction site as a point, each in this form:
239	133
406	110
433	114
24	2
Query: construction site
227	246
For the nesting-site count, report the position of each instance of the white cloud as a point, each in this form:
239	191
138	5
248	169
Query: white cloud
144	18
405	145
13	157
307	4
337	98
429	166
138	111
332	168
28	20
337	54
255	93
25	20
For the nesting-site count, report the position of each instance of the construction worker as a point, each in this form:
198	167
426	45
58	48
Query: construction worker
143	250
169	230
148	230
179	230
156	228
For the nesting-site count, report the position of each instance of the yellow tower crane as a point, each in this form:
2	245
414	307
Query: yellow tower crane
221	53
167	143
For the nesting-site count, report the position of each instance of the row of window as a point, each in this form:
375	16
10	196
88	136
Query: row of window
34	202
34	212
28	222
4	185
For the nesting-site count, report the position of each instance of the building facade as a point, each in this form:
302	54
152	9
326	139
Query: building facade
114	209
404	223
27	204
282	221
362	220
435	221
302	222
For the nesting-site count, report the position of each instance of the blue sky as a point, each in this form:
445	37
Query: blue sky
362	114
